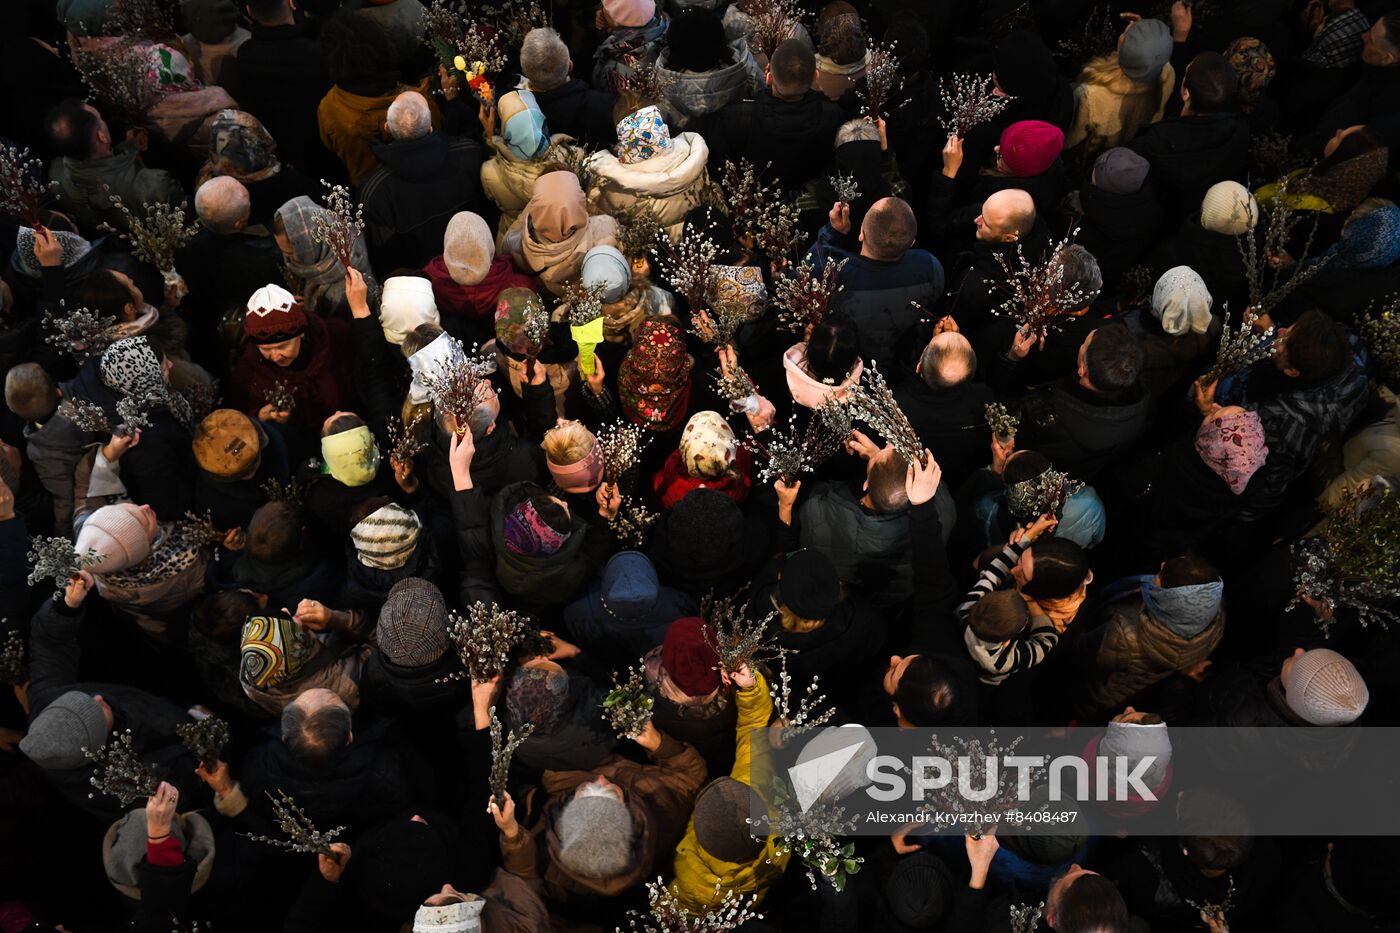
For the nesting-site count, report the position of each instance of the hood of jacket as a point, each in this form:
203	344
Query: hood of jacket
664	175
417	160
693	94
1100	426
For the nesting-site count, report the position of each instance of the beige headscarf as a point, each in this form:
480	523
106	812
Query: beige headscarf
558	209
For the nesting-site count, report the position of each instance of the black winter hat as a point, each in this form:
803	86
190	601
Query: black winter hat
808	585
705	528
721	821
919	891
1024	66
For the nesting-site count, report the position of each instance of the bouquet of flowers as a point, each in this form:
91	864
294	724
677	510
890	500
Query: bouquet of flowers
586	320
301	835
1097	35
146	19
536	328
806	712
458	384
1045	494
55	559
804	295
1002	423
788	455
1380	332
838	418
119	772
628	705
666	914
280	396
970	101
502	750
201	529
622	445
734	385
473	49
1037	296
882	79
874	403
1240	348
278	491
1354	561
1271	273
632	523
404	440
340	224
22	186
647	82
1025	918
205	740
772	22
157	235
845	188
118	76
13	670
515	19
637	230
734	637
86	416
688	263
80	333
488	638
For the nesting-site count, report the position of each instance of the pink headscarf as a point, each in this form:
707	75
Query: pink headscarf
807	391
1231	443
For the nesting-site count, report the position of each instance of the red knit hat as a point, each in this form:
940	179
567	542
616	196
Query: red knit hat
274	315
1031	146
689	658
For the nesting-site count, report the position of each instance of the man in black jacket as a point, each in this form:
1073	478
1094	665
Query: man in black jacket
1208	143
946	405
424	177
569	105
1375	99
1083	422
283	76
788	126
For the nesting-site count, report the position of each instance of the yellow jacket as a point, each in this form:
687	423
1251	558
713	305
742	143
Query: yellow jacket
698	872
350	124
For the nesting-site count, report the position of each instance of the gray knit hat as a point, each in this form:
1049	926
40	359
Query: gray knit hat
412	628
722	821
1146	48
58	735
1325	688
595	836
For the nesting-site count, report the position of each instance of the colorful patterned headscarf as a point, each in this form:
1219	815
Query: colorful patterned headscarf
315	265
642	135
1371	241
239	147
527	533
169	71
653	382
274	650
708	447
741	287
1255	66
1231	443
514	307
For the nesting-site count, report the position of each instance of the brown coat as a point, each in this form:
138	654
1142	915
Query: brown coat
660	796
1137	651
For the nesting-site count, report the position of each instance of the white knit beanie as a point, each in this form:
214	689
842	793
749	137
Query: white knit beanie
1182	302
1229	208
406	302
117	535
468	247
1325	688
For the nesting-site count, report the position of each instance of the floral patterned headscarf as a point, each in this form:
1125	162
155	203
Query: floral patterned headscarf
1231	443
1255	66
240	148
642	135
169	71
653	382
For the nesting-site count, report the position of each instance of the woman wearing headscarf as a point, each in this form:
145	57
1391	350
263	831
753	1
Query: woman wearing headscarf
241	148
184	109
1353	163
652	170
704	70
636	29
653	383
521	151
1361	267
841	52
708	458
470	275
554	232
281	659
628	297
1255	65
1175	330
1120	93
315	268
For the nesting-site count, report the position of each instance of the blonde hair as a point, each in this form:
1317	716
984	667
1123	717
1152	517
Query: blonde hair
1138	106
794	624
567	443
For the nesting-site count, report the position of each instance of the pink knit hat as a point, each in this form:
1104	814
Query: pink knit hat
1031	147
630	13
116	536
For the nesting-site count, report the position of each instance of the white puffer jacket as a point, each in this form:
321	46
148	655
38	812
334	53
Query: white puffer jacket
669	184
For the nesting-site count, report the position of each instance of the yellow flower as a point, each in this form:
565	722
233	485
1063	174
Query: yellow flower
478	68
459	63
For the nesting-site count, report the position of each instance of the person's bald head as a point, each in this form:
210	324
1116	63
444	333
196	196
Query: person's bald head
408	117
222	204
888	229
1006	216
948	361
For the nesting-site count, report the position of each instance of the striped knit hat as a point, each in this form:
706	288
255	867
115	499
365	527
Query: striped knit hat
385	539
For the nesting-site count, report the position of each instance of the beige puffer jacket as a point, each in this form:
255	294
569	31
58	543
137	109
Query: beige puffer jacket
509	182
669	184
556	264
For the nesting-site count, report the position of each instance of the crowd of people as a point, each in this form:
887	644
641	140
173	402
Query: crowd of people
280	516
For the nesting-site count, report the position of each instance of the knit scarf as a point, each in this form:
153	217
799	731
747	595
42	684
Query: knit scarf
315	266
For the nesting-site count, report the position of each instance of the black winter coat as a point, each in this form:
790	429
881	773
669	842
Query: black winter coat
419	185
1189	154
1119	229
411	692
283	76
1080	431
796	136
1214	256
952	423
578	110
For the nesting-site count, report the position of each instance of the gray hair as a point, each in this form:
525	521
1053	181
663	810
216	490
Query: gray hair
544	59
1081	272
409	117
855	131
221	203
948	360
315	737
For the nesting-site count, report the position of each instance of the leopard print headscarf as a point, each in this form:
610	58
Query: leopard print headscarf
132	368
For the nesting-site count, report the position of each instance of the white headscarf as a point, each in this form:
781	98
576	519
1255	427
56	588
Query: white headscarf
1182	302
